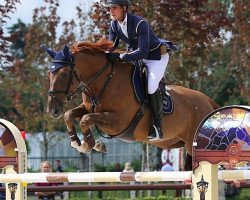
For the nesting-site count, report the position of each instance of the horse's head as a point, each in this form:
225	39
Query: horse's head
65	84
62	82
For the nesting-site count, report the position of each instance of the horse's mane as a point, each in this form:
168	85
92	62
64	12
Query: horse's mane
85	46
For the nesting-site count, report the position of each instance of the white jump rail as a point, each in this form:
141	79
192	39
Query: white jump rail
115	176
234	174
96	177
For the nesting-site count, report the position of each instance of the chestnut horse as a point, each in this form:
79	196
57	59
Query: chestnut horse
109	101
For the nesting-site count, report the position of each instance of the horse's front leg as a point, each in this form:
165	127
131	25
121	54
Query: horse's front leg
69	116
103	119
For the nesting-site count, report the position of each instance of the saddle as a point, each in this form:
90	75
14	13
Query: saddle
139	81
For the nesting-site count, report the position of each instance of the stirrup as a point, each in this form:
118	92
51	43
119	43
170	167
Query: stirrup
155	134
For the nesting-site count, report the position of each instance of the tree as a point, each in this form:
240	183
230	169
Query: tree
24	86
224	84
10	85
41	31
229	65
194	25
240	62
5	10
198	27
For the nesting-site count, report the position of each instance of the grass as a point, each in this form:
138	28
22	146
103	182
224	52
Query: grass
124	195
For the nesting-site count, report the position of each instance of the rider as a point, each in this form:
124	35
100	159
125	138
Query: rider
143	45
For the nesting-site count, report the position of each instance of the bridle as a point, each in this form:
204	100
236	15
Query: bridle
69	95
82	87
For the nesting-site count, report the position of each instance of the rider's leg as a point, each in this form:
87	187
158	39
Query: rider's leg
156	107
156	69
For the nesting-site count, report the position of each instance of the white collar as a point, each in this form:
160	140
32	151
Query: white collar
124	22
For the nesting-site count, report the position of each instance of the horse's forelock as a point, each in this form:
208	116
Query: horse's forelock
101	46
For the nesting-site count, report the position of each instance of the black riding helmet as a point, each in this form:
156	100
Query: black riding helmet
110	3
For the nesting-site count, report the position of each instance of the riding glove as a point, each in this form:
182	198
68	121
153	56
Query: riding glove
113	57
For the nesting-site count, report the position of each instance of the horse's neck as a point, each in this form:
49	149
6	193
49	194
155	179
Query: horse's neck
88	64
124	70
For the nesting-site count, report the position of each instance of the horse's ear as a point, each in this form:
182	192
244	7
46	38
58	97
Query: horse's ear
66	52
49	51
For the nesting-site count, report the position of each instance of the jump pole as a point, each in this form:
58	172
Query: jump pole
96	177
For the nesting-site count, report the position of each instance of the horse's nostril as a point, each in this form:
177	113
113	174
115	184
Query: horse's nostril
55	110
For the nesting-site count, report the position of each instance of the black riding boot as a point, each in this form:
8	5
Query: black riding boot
156	107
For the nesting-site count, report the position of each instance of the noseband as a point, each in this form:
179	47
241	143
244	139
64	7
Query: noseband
82	87
69	95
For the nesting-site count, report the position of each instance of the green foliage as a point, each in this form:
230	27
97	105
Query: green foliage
161	197
71	167
116	195
238	198
6	9
150	198
136	164
100	168
143	198
164	198
18	32
222	82
27	146
106	168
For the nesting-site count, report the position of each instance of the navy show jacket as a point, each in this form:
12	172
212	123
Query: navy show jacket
141	39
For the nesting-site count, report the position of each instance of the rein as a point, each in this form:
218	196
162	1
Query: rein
83	87
89	92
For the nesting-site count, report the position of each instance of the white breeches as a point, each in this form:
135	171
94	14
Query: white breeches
156	69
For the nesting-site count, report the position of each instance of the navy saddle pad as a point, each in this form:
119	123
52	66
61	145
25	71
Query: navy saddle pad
167	101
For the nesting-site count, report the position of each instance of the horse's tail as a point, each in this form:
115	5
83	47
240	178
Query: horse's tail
214	105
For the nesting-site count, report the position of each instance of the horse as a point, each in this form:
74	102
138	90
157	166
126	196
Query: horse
109	101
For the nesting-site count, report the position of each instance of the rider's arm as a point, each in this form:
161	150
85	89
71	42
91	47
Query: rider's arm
143	44
113	35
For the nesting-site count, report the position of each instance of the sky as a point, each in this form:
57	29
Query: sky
66	10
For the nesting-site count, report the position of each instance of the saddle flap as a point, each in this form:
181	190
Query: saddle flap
139	82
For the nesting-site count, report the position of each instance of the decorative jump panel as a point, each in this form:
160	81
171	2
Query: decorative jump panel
224	135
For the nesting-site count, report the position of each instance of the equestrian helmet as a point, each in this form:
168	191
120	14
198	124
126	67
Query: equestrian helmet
110	3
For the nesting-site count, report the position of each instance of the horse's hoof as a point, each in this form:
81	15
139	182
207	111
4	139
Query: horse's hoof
100	146
74	144
84	148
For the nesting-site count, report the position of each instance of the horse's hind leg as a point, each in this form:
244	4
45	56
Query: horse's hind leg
69	117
